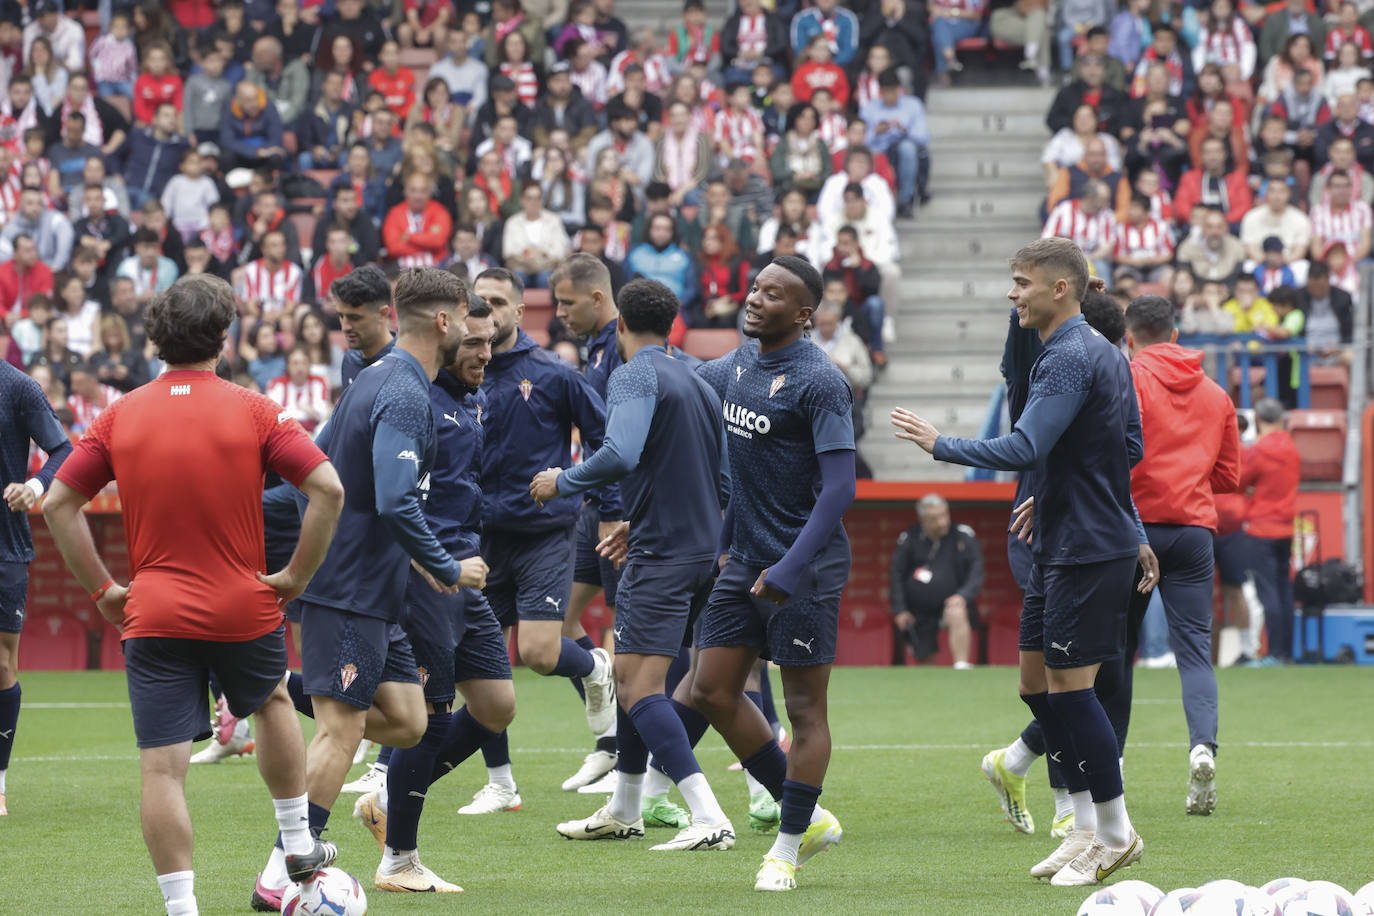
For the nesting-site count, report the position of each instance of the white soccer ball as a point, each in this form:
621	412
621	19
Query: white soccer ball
1321	900
1343	897
1109	901
1177	902
1233	899
1144	891
1366	896
1284	889
333	892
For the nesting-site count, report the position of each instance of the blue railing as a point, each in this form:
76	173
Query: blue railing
1248	350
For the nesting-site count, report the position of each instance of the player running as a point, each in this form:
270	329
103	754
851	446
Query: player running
788	425
189	451
1080	422
663	446
457	641
356	663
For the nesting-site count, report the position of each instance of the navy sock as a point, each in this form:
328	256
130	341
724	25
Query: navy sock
677	671
585	642
664	734
798	802
464	737
1033	737
769	766
573	661
295	685
693	721
1058	745
1113	687
770	712
319	818
755	697
629	744
215	690
407	780
9	720
496	752
1093	738
384	755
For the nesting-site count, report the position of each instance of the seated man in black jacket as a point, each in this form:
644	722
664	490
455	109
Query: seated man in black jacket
937	573
345	208
1090	89
1330	317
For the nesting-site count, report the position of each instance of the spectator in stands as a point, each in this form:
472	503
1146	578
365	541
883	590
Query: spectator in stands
839	26
1024	23
1143	246
587	73
1213	186
694	39
1155	88
325	128
1298	56
1110	104
634	151
509	16
592	241
22	275
422	159
417	230
1303	110
1251	313
150	271
1069	145
901	28
1225	40
50	230
1342	153
936	576
1069	182
1203	313
66	37
515	63
55	354
845	349
303	396
21	105
359	231
1270	473
562	107
1343	219
515	151
383	147
68	158
1348	125
716	208
897	128
27	332
356	20
1088	221
1271	272
189	196
261	352
155	218
340	55
864	286
611	32
858	169
1130	33
751	201
1220	124
1077	18
800	160
360	174
271	286
953	21
154	156
116	362
812	244
465	77
326	360
683	156
643	52
114	59
752	36
82	315
1345	73
1095	43
477	211
437	112
1294	19
333	261
467	251
104	126
1164	50
251	130
158	83
722	281
877	238
1291	322
660	258
267	216
534	240
494	180
424	23
581	26
297	36
1330	317
564	195
818	70
739	129
48	75
89	397
204	98
1277	218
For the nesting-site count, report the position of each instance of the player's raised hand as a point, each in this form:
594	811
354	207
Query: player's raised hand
285	584
111	604
474	573
1023	520
914	429
20	497
544	486
615	542
766	591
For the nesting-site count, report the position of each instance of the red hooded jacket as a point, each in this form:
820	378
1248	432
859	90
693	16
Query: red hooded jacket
1192	447
1273	468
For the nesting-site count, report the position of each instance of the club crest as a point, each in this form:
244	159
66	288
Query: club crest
600	355
526	388
424	676
777	385
479	414
347	675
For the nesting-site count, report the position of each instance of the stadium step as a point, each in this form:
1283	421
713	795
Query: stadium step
974	162
968	124
981	203
993	100
993	242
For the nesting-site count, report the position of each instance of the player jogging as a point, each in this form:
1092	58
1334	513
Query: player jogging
663	445
788	424
189	451
1082	424
357	667
25	415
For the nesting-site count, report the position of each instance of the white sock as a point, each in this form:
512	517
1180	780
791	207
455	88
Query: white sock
1084	815
500	776
1063	804
785	847
701	800
1121	765
817	813
394	859
1249	647
754	786
625	800
2	781
293	820
179	892
242	730
1018	758
1113	824
274	873
656	782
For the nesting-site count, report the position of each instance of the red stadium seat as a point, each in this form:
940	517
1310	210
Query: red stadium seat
538	299
418	59
710	343
865	637
1320	437
305	227
1330	387
54	642
111	650
539	336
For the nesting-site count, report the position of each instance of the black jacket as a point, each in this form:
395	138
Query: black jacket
579	119
775	50
1111	109
1363	139
1341	304
364	236
914	551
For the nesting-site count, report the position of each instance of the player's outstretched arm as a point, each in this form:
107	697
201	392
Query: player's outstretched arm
325	493
627	429
67	522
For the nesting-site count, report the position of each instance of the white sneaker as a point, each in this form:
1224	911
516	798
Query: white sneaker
963	666
603	786
1075	844
603	826
374	780
363	747
700	837
214	752
594	766
493	799
413	877
1202	786
776	875
600	688
1099	862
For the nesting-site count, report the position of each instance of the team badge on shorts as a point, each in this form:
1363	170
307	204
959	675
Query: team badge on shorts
526	388
424	676
777	385
347	675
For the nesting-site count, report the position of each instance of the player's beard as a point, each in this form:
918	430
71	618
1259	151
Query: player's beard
449	354
503	334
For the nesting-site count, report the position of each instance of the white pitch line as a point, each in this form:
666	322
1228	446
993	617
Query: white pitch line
76	706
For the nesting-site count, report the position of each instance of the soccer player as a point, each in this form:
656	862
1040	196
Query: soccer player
25	416
788	423
458	643
534	401
197	601
364	303
663	446
1080	422
357	667
582	292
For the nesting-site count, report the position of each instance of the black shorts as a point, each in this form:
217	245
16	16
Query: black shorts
800	632
1232	553
169	682
346	656
14	591
429	622
924	634
530	575
589	567
481	654
1076	615
293	611
654	604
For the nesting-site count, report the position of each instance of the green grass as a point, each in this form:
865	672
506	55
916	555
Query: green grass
922	830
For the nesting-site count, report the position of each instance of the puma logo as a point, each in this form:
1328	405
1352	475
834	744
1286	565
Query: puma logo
1064	648
551	601
738	372
619	633
805	645
453	417
1055	756
7	735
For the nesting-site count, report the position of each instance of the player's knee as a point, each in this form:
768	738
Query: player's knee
805	712
9	669
494	713
956	618
712	700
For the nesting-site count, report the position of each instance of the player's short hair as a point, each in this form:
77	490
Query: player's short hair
187	321
1103	313
803	270
1058	259
1269	410
363	287
502	275
1150	319
421	291
584	271
648	307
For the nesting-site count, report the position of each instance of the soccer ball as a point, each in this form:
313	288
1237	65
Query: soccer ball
1109	901
333	892
1284	889
1343	897
1177	902
1144	891
1235	897
1320	900
1365	895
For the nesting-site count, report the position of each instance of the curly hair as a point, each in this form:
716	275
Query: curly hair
188	321
367	285
647	307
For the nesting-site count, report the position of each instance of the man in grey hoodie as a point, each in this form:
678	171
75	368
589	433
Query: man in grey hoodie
49	229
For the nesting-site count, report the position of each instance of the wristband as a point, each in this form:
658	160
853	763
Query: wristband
100	592
36	486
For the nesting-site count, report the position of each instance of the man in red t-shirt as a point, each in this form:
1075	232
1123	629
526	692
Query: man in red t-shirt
1270	472
189	452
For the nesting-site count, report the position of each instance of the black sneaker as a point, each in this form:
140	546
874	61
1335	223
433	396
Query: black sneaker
906	211
304	867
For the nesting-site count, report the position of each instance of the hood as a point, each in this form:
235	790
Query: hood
1177	368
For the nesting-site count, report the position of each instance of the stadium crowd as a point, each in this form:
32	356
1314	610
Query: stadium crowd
281	145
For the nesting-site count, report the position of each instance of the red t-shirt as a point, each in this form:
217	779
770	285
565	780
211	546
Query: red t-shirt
399	90
189	451
151	91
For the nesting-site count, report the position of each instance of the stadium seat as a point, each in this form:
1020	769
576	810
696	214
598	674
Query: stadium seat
305	227
418	59
1320	438
710	343
539	336
323	176
54	642
1257	376
1330	387
538	299
865	637
111	650
536	320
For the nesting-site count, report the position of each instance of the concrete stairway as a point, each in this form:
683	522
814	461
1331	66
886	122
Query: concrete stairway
952	315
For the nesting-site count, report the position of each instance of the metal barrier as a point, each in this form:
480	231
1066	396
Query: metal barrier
1248	349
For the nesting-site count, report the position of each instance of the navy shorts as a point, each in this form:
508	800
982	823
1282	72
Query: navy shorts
589	567
654	604
530	575
799	633
481	654
169	682
1232	553
14	591
1076	615
345	656
293	611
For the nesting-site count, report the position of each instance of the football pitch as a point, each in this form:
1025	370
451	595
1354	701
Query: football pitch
923	833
